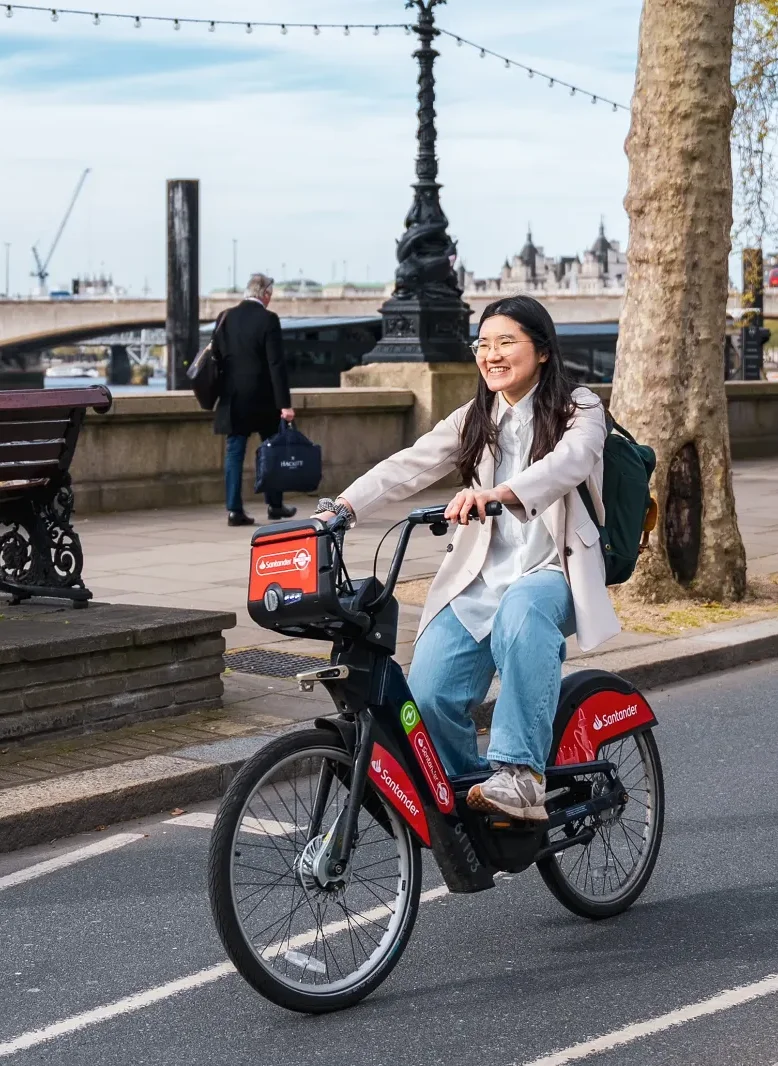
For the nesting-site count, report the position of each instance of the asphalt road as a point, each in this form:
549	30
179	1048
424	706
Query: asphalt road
504	978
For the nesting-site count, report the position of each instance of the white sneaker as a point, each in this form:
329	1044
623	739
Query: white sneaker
512	790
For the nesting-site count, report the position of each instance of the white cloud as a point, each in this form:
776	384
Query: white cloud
304	145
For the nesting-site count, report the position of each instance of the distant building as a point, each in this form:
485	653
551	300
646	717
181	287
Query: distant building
602	268
342	290
297	287
96	287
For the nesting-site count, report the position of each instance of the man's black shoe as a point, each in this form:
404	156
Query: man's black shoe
240	518
274	513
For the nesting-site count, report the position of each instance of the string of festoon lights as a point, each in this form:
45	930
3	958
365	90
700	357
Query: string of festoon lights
98	17
533	72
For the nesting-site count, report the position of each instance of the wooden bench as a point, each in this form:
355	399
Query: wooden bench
40	553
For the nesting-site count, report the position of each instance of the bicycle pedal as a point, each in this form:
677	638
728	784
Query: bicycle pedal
501	822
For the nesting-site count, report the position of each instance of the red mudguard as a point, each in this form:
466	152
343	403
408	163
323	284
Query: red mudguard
600	718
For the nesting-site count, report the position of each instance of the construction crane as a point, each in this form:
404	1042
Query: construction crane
41	271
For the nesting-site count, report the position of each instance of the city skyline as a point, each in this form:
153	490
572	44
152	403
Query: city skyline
306	157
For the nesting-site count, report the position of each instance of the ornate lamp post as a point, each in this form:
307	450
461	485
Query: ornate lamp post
425	319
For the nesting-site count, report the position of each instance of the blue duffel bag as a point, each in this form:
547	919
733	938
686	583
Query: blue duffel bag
288	462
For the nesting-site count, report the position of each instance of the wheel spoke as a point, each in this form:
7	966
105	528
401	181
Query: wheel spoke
279	895
612	862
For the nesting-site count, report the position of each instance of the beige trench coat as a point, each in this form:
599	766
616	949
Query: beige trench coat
547	489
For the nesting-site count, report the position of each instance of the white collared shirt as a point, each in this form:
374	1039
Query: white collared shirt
516	548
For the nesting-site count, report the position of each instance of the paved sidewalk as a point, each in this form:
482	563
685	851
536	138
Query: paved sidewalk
190	558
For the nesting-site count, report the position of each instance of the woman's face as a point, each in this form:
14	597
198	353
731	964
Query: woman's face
507	358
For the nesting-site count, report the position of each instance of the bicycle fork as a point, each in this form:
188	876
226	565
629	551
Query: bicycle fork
333	859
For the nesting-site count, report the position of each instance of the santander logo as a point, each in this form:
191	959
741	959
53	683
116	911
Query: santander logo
384	775
301	560
599	723
433	771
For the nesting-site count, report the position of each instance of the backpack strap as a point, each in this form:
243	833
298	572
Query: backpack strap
613	424
586	496
583	491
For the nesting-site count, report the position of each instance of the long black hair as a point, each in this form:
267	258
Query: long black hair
552	404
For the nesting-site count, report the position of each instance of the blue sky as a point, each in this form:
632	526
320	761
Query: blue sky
304	144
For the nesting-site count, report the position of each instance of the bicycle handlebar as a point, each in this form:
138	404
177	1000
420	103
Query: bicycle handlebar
422	516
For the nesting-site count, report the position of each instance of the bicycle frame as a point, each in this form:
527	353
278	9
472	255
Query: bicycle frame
395	754
382	728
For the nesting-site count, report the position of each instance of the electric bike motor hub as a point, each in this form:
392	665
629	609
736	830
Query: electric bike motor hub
309	869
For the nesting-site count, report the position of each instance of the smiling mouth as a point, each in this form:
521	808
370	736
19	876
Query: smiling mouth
499	369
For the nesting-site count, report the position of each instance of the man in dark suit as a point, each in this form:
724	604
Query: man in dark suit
254	394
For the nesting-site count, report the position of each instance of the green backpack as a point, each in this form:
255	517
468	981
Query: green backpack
627	470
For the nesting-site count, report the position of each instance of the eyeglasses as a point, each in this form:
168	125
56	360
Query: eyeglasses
481	348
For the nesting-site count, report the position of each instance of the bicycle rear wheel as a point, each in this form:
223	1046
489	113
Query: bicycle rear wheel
606	876
305	947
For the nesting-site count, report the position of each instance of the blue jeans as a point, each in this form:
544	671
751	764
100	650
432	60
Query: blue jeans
234	455
451	673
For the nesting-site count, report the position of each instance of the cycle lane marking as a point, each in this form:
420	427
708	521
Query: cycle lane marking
139	1000
628	1034
69	858
268	827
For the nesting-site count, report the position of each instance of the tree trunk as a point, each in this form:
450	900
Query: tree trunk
668	387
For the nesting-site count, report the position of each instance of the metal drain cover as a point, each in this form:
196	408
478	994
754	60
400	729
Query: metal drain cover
272	663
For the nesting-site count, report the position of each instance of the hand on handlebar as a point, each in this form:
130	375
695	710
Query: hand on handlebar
473	500
339	519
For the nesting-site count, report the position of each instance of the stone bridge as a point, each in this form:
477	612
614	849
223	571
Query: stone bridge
30	325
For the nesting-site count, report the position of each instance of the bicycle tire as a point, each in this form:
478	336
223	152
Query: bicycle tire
231	931
577	902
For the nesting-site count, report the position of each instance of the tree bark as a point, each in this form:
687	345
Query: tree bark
668	386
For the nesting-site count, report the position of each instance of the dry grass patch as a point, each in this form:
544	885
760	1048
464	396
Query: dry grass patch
664	619
678	616
414	593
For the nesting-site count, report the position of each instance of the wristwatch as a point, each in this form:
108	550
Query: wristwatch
340	509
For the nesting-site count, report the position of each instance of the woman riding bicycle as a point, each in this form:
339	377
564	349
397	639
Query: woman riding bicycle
511	588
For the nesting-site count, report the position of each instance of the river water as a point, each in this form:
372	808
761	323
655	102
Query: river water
155	385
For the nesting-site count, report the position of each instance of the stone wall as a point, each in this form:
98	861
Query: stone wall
65	672
753	417
161	451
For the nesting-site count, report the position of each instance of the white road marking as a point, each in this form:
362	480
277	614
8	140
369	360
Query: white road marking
100	847
139	1000
113	1010
732	997
265	827
303	940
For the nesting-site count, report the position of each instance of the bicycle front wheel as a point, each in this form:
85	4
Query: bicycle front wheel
304	946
